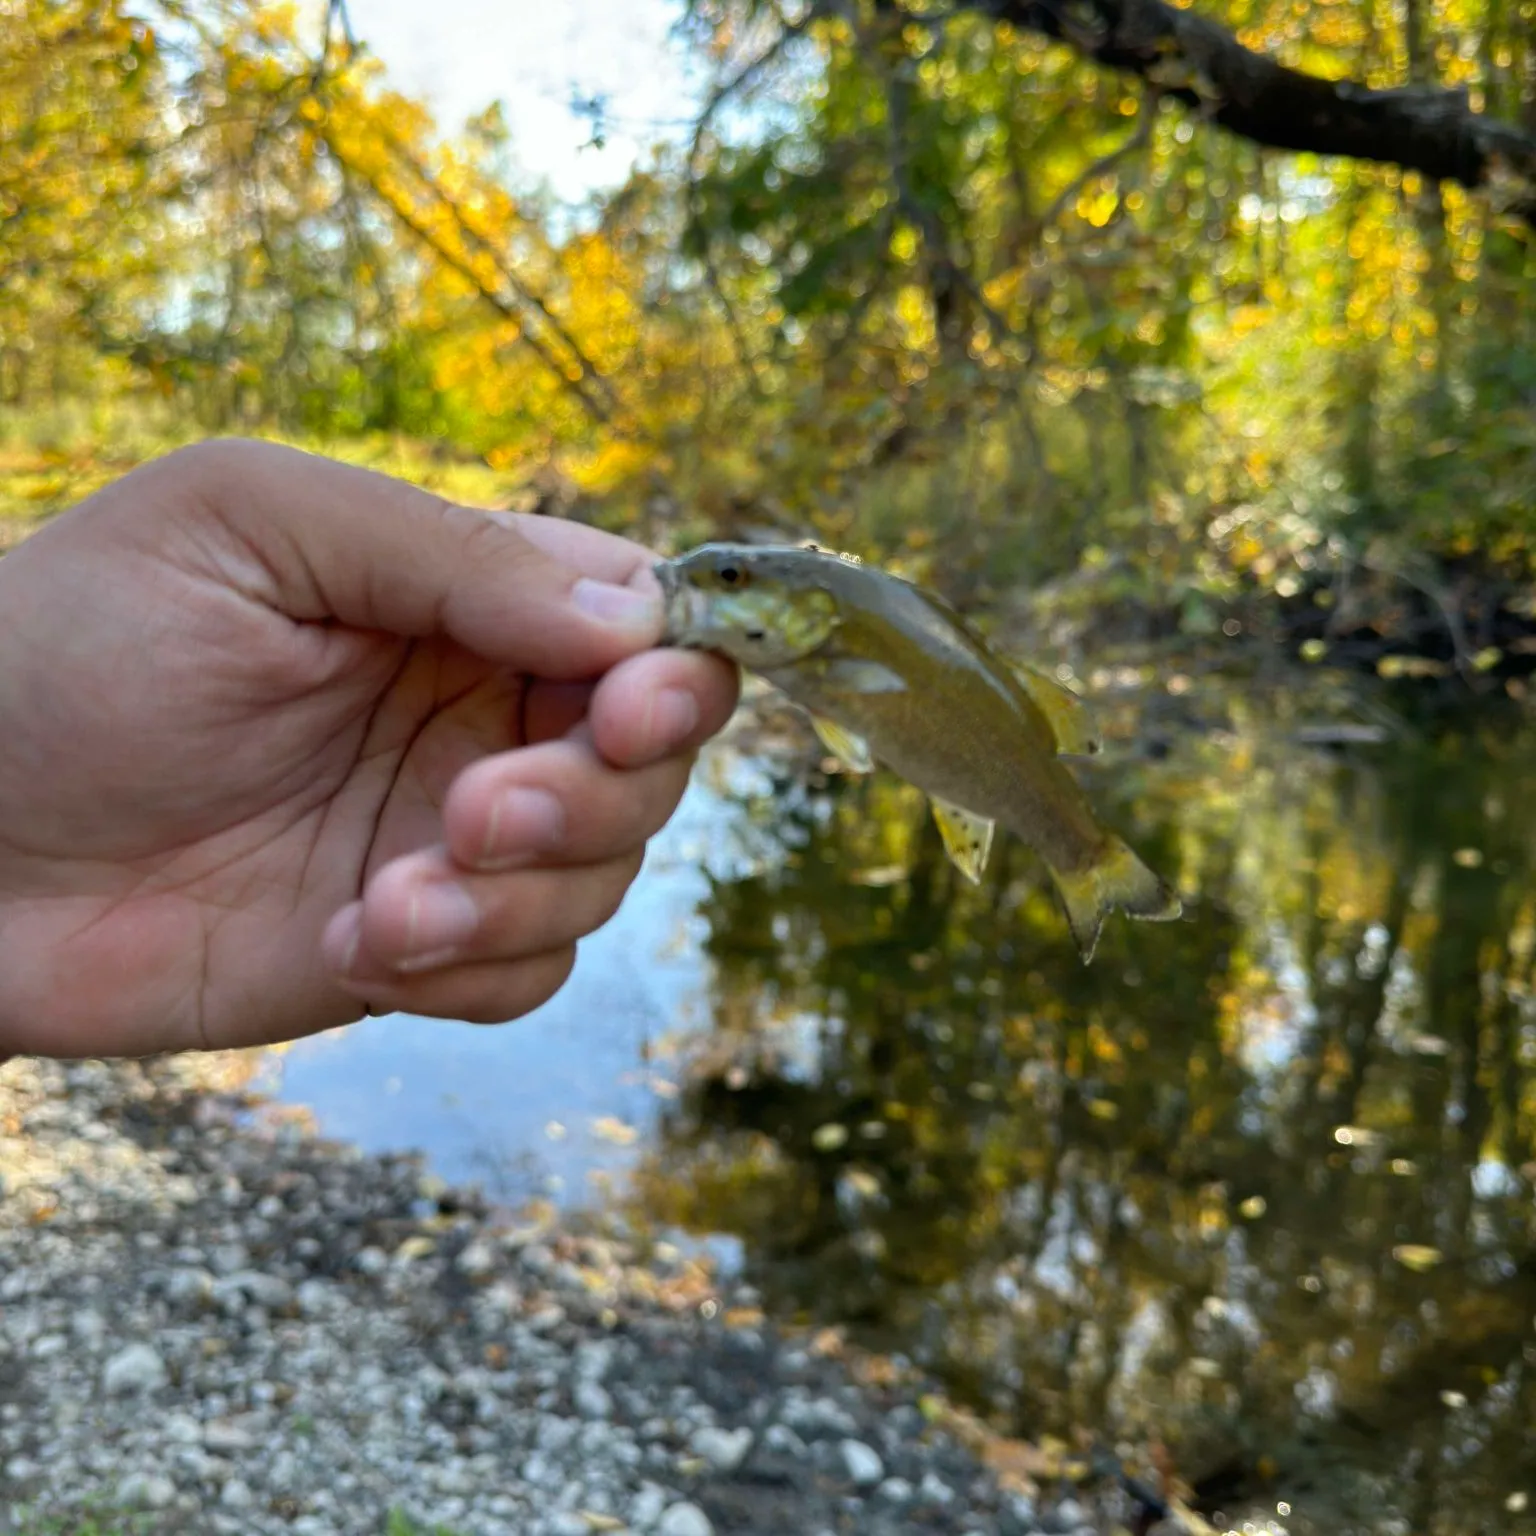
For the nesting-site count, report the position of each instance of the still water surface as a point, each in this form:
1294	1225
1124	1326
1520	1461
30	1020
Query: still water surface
1256	1186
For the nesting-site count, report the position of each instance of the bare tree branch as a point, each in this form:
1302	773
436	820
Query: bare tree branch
539	327
556	347
950	272
722	92
509	309
1069	194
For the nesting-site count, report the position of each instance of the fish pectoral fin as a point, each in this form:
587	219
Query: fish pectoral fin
850	750
1116	879
967	837
855	674
1070	718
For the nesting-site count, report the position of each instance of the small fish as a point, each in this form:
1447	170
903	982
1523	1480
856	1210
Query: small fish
892	674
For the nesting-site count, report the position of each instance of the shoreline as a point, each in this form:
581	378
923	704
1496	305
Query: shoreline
212	1327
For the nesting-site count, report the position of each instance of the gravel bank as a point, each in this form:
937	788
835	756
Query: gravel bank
243	1332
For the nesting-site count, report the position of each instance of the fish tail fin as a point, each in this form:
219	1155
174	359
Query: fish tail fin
1116	879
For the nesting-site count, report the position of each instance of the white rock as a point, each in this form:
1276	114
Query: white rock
316	1297
895	1490
270	1291
781	1438
1022	1508
237	1494
684	1519
539	1472
645	1509
824	1416
372	1261
89	1326
934	1489
723	1449
146	1490
567	1524
592	1401
861	1463
226	1436
554	1433
136	1368
593	1359
181	1429
477	1259
190	1286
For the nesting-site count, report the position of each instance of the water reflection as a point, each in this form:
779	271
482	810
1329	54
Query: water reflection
1255	1186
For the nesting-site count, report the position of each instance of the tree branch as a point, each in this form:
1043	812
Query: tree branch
1198	62
722	92
1074	189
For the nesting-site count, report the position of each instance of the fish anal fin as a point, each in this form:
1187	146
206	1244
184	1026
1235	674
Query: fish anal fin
1069	716
967	837
850	750
1117	879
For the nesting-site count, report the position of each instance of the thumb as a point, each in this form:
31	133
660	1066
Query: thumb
330	541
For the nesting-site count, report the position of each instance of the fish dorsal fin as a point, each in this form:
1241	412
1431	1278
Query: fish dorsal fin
850	750
967	837
1068	715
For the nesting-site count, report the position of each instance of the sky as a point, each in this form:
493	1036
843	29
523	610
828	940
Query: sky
534	55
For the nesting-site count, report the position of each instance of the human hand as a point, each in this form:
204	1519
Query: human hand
285	738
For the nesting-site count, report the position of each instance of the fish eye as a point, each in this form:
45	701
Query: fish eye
731	575
756	635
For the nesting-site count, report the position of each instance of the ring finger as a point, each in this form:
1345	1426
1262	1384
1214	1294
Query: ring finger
423	913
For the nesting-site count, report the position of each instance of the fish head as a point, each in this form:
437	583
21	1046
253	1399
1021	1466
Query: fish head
763	606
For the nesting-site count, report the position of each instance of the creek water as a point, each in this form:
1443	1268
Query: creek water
1256	1186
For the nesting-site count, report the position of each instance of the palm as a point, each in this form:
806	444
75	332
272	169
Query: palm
232	838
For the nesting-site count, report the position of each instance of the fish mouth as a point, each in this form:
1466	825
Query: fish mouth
686	609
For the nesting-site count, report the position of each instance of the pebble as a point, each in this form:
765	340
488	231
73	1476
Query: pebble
477	1259
265	1290
934	1489
135	1368
723	1449
224	1437
592	1400
146	1490
646	1508
781	1438
684	1519
236	1494
190	1286
861	1463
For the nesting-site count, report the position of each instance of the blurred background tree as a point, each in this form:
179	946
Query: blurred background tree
1011	295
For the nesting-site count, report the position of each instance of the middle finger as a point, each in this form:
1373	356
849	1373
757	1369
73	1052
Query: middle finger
557	802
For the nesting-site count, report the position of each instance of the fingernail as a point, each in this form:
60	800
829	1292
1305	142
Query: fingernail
523	822
674	718
441	918
622	607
